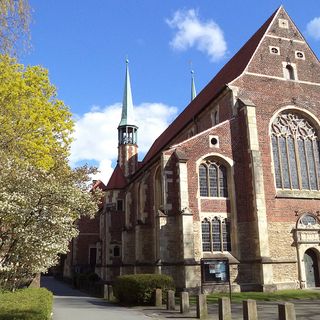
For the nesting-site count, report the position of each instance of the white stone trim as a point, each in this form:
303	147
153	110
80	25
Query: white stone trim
228	160
283	38
280	78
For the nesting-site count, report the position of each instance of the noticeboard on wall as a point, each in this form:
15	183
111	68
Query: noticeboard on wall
215	270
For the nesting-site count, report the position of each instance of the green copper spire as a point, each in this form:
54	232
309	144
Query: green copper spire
127	104
193	87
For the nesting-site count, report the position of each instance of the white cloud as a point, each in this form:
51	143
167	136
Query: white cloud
207	36
96	135
313	28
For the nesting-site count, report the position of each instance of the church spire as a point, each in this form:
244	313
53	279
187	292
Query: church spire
127	132
193	87
127	117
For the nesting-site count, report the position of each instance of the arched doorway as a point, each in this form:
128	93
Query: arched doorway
311	268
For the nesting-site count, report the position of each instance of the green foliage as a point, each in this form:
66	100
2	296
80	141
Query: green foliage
26	304
140	288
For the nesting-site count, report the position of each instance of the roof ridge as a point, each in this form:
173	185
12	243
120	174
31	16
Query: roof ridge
230	71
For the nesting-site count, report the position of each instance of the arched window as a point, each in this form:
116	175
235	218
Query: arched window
308	220
289	72
295	149
213	179
215	235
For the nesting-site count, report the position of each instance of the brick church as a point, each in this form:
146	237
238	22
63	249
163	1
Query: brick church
229	193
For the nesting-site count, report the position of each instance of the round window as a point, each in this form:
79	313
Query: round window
300	55
214	141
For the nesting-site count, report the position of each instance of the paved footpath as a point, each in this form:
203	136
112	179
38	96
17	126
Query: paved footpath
71	304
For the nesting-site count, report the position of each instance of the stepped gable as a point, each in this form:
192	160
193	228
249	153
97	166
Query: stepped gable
229	72
117	179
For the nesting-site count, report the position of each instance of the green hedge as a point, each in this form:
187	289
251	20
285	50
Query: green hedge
26	304
140	288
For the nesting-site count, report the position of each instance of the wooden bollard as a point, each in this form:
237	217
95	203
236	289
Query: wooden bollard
202	308
224	309
286	311
184	302
171	305
158	298
105	292
250	310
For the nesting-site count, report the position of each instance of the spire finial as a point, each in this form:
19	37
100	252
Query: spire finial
193	87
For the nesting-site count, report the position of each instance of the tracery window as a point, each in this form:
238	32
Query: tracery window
308	220
295	148
215	235
213	179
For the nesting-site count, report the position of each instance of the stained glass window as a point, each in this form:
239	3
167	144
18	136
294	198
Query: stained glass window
216	235
295	149
213	179
206	237
203	180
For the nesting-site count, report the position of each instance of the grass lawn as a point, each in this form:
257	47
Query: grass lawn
26	304
281	295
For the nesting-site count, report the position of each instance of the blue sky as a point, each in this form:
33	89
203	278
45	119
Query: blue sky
84	45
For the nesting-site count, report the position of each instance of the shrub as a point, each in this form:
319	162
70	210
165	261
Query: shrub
140	288
26	304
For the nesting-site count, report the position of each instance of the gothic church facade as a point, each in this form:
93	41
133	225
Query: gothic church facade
230	191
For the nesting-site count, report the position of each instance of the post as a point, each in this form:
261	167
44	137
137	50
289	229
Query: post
171	305
249	310
224	309
286	311
105	292
110	293
202	308
158	298
184	302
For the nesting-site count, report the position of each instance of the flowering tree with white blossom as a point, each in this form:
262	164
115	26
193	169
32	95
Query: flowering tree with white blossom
41	197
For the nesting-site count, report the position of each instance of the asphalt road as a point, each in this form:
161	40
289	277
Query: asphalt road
71	304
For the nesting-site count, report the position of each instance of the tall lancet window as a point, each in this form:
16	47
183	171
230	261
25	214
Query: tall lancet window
295	149
213	179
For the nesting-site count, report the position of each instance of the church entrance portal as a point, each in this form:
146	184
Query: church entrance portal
311	268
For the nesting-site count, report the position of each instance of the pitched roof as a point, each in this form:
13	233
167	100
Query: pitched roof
117	179
98	184
229	72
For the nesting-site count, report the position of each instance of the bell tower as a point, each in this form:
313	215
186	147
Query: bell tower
127	132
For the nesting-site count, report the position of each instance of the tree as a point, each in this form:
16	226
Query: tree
41	197
34	124
38	209
14	23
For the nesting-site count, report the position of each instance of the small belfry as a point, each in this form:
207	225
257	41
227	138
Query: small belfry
127	131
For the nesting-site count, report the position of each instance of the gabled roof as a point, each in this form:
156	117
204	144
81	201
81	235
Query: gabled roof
117	179
98	184
229	72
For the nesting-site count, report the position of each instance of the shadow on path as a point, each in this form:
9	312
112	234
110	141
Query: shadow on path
59	288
